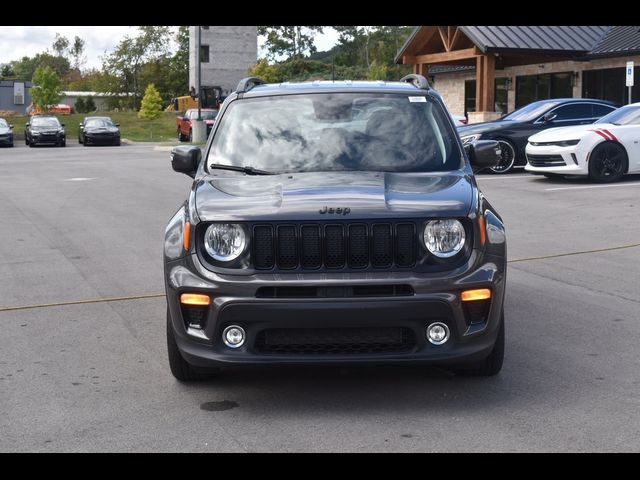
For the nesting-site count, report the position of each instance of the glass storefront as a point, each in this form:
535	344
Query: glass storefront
530	88
609	84
500	95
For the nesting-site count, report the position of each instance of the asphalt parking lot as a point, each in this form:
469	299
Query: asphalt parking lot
84	224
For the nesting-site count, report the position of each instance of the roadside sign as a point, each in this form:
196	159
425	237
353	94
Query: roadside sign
629	74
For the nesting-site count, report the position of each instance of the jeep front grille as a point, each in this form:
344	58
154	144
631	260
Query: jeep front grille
331	246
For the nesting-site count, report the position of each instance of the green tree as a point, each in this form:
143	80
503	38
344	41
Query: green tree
6	71
289	41
124	64
76	51
80	106
26	66
60	45
151	104
46	89
89	104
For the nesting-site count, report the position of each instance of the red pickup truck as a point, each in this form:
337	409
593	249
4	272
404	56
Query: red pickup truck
184	123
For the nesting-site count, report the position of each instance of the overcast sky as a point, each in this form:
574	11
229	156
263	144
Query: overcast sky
16	42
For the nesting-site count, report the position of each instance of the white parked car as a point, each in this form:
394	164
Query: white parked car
604	150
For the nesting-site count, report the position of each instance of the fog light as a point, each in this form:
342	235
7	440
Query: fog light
233	336
437	333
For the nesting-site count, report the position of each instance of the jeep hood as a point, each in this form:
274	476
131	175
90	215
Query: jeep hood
301	196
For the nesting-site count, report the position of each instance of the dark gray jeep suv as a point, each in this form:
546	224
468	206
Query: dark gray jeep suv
334	222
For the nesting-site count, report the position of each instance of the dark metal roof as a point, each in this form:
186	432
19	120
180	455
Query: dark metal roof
587	40
620	39
541	38
9	83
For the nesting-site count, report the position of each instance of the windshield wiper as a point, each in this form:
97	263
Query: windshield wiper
247	170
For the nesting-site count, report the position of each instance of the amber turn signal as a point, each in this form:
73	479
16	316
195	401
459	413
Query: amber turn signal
477	294
186	236
195	299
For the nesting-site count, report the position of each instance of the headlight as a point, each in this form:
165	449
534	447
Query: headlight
470	138
225	241
562	143
35	133
444	238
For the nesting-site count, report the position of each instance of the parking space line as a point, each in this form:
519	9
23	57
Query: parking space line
504	177
593	186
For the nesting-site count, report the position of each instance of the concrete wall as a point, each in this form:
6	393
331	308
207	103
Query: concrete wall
451	85
232	51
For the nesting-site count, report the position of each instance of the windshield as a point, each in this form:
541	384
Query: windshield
45	122
531	111
628	115
336	132
99	122
3	123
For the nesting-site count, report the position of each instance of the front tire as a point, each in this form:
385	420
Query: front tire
180	369
508	157
608	163
63	143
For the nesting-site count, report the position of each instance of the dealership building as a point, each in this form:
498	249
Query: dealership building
484	72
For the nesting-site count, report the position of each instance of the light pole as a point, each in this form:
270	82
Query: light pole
199	73
199	130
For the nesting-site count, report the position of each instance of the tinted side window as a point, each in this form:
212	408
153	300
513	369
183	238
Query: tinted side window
601	110
572	112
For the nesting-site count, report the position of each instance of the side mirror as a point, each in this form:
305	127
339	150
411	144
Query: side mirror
117	124
62	124
549	117
186	160
483	154
27	124
11	126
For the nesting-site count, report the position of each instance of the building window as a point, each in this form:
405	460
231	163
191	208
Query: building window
500	96
204	53
530	88
609	84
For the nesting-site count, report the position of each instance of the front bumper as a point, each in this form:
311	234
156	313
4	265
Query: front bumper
102	139
435	298
47	139
6	140
544	159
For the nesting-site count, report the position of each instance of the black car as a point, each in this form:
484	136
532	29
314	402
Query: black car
99	131
44	129
334	222
513	130
6	133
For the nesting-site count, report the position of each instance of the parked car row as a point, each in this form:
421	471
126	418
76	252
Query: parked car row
567	136
47	130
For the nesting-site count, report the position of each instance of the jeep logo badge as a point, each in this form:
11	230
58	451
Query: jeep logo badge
336	211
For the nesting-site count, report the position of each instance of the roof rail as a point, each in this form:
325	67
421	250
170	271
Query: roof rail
417	81
248	83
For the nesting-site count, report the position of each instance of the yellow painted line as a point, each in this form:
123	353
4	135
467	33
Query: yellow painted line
162	295
83	302
610	249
